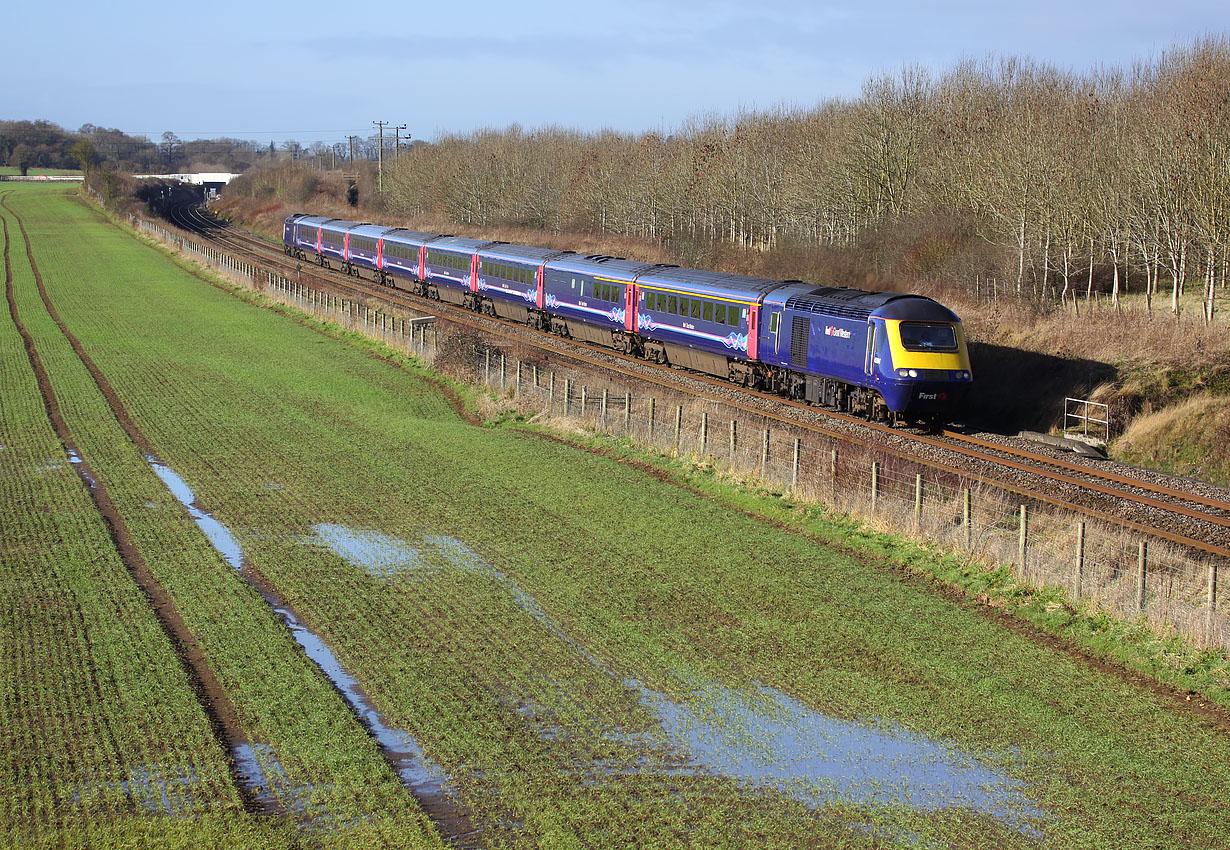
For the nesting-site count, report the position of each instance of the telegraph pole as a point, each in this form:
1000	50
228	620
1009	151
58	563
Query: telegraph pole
352	138
380	157
397	141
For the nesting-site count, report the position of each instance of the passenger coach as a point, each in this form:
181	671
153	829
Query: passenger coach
886	355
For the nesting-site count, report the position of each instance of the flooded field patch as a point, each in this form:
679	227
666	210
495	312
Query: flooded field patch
759	737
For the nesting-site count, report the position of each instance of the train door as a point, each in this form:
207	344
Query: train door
877	335
775	325
753	332
871	346
630	307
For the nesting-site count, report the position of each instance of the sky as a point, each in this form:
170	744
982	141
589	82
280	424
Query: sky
312	71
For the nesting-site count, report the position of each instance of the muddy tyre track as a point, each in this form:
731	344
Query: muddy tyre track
451	821
220	712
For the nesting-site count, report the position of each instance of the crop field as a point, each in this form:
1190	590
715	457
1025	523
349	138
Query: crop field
13	171
434	633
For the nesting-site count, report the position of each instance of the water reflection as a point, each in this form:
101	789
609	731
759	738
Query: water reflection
219	535
416	771
759	736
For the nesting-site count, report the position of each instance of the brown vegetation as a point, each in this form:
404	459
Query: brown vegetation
1076	222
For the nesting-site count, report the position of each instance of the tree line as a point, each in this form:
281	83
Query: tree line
41	144
1112	179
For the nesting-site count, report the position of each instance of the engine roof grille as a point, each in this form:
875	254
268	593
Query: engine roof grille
844	303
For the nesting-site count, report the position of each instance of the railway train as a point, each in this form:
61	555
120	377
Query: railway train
890	356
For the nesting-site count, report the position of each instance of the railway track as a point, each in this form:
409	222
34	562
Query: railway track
1192	514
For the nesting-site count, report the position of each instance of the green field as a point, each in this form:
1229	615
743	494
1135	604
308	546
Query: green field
593	657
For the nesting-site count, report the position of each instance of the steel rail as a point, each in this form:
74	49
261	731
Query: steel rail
547	342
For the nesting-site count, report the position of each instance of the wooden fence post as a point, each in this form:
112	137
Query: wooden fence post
1080	558
627	412
918	501
487	367
584	400
605	397
1142	555
653	403
764	451
833	477
704	432
1211	601
734	439
875	486
1023	542
517	389
967	517
678	425
794	468
567	396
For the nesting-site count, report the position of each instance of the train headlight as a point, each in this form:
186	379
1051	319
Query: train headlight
913	373
902	373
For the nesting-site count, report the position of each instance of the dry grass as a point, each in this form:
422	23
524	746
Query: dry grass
1189	437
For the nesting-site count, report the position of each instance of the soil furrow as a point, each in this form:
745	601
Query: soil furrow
450	820
221	714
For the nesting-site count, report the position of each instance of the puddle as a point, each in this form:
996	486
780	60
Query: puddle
764	737
261	770
760	737
418	773
384	556
149	788
83	471
411	763
379	554
219	535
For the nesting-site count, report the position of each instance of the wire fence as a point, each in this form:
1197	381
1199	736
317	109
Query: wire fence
1105	566
1097	563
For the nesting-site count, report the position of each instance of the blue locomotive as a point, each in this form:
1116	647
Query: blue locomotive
887	355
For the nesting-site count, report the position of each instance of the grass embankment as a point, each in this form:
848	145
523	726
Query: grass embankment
542	580
1026	360
323	768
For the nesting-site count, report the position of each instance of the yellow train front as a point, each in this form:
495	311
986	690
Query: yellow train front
887	355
